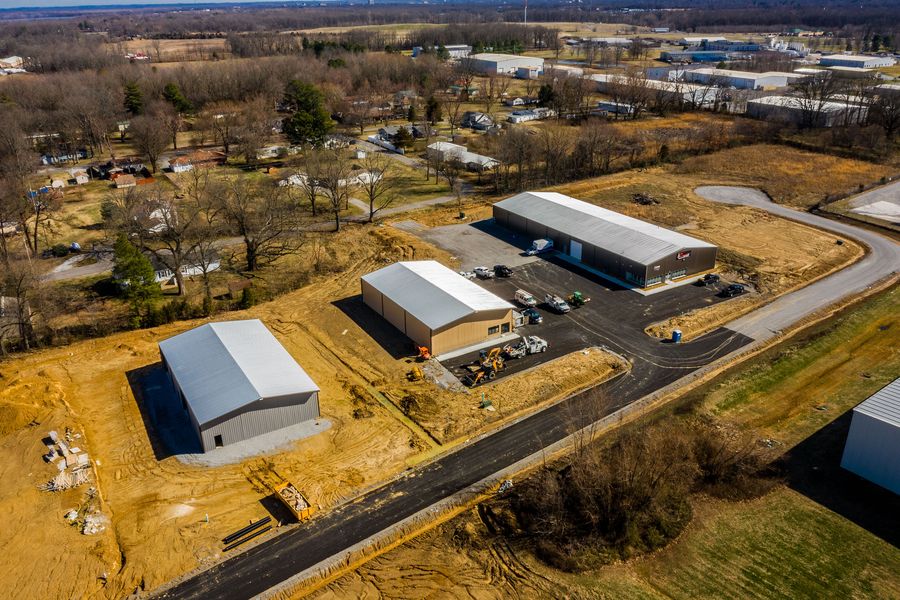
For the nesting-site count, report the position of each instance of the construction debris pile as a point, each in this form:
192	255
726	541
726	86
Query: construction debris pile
293	498
74	465
644	199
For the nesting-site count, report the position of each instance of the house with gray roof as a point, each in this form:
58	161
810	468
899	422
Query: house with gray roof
236	381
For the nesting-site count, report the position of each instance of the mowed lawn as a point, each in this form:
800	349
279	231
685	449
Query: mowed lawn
784	544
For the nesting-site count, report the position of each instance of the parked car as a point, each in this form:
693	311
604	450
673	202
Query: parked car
557	304
526	299
502	271
533	316
467	274
709	279
483	273
735	289
540	247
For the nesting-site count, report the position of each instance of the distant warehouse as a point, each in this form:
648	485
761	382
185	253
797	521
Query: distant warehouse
804	112
236	382
625	248
856	60
873	443
504	64
436	307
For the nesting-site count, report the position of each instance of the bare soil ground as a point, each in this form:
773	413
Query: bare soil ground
448	415
157	505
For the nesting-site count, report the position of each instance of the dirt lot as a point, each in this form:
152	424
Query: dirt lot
159	507
450	415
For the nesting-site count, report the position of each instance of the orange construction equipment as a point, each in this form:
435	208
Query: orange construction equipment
424	353
294	500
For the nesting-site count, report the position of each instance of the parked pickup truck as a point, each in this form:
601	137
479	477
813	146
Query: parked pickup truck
557	304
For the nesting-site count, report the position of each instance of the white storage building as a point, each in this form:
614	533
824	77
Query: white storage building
856	60
504	64
436	307
791	109
743	80
236	382
872	450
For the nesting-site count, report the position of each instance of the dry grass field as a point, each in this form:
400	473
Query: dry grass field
789	176
782	545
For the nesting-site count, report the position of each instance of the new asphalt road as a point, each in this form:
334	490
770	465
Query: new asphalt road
284	556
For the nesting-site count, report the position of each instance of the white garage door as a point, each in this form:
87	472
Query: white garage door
575	250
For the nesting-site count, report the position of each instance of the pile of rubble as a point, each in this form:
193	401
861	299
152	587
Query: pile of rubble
74	465
644	199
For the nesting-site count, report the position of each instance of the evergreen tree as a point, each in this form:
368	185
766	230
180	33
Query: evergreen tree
310	122
173	96
134	273
134	99
433	110
546	95
411	114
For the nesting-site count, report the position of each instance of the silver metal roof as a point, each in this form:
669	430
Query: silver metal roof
883	405
432	293
620	234
222	367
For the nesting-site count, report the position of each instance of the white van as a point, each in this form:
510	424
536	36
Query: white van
526	299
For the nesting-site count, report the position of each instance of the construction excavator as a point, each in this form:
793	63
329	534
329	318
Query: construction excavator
424	353
485	368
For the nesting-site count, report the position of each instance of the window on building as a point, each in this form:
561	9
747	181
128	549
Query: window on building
494	330
218	441
504	328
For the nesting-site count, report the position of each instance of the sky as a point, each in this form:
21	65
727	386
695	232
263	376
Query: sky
70	3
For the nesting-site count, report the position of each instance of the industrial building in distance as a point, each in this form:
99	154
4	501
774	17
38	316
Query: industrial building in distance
506	64
856	60
795	110
436	307
626	249
872	450
236	381
743	80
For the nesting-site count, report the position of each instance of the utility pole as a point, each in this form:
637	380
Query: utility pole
526	13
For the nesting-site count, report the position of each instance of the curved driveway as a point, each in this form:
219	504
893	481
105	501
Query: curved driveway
882	260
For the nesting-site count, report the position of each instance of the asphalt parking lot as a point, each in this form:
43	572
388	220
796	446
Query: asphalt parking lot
615	317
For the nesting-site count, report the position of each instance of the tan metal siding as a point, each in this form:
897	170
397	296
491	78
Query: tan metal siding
372	298
469	332
394	314
418	331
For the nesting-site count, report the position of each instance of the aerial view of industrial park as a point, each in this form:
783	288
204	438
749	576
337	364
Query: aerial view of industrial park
467	300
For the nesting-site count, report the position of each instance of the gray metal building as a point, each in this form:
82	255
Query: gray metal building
236	382
872	450
633	251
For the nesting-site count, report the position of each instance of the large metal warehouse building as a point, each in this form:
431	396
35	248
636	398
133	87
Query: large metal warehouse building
503	64
873	444
236	381
436	307
639	253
